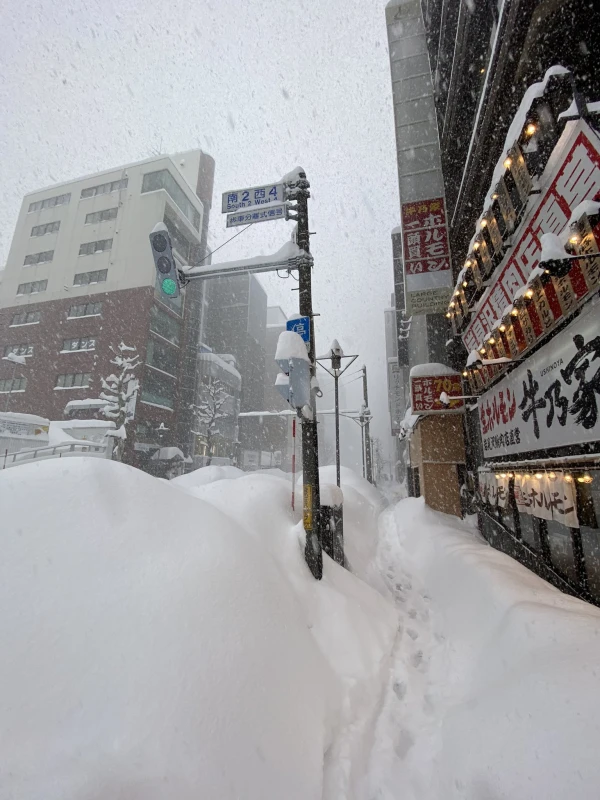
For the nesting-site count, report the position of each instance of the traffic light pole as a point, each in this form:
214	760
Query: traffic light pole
299	191
368	454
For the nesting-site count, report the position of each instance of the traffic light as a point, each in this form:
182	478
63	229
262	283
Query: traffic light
166	268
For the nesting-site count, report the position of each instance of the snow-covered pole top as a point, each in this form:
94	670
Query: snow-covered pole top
291	345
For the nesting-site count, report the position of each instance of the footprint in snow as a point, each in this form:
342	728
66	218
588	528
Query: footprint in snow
413	634
417	659
412	613
400	690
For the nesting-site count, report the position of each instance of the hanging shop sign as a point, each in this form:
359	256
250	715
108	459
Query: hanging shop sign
549	496
425	391
427	271
573	175
551	399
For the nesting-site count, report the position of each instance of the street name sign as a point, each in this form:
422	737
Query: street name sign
251	215
254	196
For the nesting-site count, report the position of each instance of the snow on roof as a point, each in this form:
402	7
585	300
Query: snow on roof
397	229
88	403
168	454
589	207
68	424
571	111
594	108
289	251
31	419
221	362
431	369
473	357
290	345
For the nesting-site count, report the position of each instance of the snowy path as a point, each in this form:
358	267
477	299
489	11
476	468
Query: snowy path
408	728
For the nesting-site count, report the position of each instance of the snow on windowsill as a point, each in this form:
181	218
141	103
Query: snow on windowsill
69	388
23	324
86	350
156	405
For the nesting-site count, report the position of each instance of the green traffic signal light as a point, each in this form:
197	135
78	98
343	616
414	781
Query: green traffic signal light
169	286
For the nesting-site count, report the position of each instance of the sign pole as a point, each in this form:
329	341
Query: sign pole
298	190
368	454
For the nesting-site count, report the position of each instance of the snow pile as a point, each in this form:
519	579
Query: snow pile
290	345
429	370
499	695
166	639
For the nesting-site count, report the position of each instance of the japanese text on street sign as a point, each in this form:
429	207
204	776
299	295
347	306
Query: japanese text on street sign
425	393
254	196
256	215
301	326
551	400
577	178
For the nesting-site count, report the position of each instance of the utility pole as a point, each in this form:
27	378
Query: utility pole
368	453
298	190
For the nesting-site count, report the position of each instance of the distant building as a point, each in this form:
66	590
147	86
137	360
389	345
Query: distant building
219	373
276	430
80	278
236	321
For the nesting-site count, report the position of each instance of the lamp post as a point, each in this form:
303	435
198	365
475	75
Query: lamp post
336	354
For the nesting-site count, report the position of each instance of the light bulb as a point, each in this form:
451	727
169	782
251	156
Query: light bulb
476	246
538	476
448	314
574	239
496	476
530	129
569	478
587	478
514	312
507	163
483	223
491	340
552	475
529	294
465	374
482	351
502	328
495	196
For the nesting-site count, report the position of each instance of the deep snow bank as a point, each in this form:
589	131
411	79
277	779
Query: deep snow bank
168	641
517	676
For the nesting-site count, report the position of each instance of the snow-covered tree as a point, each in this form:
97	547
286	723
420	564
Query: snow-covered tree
120	389
209	411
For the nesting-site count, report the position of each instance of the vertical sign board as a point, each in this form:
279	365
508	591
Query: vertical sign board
427	270
425	391
397	402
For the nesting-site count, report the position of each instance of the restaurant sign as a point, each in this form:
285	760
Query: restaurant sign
551	399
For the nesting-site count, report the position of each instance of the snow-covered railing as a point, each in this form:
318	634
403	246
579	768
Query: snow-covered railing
53	451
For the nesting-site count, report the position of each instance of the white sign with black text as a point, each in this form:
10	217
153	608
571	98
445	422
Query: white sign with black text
254	196
551	399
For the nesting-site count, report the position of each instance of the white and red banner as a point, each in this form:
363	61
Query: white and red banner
571	176
427	269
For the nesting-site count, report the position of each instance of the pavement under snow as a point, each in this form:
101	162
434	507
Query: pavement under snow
166	640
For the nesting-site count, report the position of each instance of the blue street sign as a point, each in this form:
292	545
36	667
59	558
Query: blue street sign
301	326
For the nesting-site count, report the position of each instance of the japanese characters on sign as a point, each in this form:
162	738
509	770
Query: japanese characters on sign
397	400
425	393
551	400
256	215
254	196
428	274
577	178
548	496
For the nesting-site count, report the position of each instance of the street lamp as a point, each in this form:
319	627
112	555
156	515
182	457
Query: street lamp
16	360
336	354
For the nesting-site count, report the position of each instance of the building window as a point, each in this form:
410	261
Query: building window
89	248
50	202
161	356
164	180
164	325
32	288
42	230
13	385
38	258
105	188
26	318
18	350
158	389
101	216
73	380
85	278
82	343
85	310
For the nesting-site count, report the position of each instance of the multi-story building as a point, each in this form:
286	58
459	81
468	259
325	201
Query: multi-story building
80	279
276	429
516	87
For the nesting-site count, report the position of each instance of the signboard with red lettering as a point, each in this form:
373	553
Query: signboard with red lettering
575	178
427	269
425	391
551	399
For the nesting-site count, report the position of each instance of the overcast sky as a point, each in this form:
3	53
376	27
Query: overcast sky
261	85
